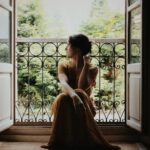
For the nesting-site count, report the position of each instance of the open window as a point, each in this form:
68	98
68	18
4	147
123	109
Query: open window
7	36
133	63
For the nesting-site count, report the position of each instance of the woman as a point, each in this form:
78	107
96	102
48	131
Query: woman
74	126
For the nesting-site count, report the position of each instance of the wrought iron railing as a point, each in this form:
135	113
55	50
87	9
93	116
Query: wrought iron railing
37	62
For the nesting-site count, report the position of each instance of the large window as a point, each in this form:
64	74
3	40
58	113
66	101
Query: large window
40	48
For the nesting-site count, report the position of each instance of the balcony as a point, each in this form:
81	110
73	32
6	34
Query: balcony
38	85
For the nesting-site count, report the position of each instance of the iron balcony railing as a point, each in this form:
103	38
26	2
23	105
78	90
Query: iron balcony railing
37	83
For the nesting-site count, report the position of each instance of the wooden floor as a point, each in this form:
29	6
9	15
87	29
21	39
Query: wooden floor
36	146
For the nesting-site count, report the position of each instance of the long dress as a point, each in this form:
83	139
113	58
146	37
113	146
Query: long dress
75	129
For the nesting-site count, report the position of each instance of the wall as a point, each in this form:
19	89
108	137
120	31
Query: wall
146	72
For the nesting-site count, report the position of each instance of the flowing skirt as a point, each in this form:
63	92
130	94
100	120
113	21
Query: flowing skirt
75	129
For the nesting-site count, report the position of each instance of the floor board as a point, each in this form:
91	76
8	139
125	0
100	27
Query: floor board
36	146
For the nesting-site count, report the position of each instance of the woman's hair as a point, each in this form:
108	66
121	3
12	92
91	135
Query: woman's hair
82	42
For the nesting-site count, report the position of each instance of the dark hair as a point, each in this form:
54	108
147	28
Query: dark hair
82	42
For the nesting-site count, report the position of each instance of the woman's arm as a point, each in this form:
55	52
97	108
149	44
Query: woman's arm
66	87
83	81
88	74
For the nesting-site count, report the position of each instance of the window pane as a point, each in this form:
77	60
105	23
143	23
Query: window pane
135	36
5	2
133	1
4	36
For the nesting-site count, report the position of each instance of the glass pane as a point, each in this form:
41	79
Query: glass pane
133	1
4	36
5	2
135	36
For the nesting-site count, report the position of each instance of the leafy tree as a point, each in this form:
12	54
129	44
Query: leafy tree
103	24
36	85
30	19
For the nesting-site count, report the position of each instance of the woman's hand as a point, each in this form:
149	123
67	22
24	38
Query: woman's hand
87	59
77	101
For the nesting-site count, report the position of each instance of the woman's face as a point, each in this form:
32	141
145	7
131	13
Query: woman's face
70	51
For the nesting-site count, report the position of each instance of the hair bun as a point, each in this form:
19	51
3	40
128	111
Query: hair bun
82	42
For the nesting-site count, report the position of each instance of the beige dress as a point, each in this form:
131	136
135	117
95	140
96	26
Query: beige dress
75	129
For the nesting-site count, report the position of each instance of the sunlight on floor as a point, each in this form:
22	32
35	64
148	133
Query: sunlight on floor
36	146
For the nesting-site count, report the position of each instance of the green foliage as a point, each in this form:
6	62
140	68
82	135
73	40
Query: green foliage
4	53
103	24
37	85
103	28
30	20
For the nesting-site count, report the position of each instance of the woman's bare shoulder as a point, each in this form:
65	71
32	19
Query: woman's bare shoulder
62	67
63	64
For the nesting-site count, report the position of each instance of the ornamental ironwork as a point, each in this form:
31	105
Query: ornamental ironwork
37	83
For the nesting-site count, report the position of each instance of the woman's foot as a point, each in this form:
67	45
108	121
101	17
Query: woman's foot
115	147
45	146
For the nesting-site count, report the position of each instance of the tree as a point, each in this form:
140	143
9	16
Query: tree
102	23
37	86
30	19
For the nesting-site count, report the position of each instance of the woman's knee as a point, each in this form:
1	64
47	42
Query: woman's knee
81	92
63	97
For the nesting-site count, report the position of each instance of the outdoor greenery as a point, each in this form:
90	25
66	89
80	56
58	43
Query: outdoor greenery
102	23
30	19
4	52
37	76
37	84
